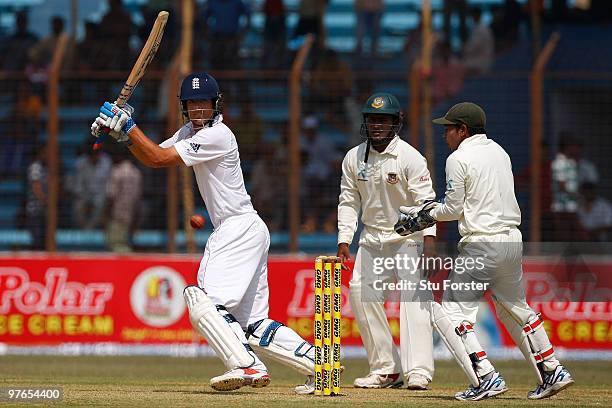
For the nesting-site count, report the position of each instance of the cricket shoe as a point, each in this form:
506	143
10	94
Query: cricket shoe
307	388
553	382
379	381
240	377
417	381
489	387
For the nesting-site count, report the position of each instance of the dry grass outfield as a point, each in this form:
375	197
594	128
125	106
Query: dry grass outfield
176	382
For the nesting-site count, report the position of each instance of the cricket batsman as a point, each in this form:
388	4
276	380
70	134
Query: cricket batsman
480	195
378	176
229	305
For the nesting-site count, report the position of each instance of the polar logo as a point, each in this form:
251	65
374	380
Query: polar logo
156	296
195	83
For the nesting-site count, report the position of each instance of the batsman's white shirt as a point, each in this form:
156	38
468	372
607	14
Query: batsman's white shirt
213	154
234	269
397	176
479	189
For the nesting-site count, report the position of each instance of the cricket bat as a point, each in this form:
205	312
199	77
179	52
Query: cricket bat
144	59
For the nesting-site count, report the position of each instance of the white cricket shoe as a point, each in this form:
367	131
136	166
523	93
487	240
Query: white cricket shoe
379	381
240	377
491	387
307	388
554	382
417	381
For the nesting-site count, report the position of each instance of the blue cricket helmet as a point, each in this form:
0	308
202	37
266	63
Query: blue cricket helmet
201	86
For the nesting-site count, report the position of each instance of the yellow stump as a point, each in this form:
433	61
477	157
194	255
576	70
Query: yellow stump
328	308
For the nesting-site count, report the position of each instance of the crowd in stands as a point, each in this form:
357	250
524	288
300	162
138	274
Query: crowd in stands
105	190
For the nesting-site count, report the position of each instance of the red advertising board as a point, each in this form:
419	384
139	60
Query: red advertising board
46	300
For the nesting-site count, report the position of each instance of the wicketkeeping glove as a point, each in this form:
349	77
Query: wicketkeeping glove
413	219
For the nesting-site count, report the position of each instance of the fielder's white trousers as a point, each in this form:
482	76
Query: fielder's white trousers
416	344
502	256
234	269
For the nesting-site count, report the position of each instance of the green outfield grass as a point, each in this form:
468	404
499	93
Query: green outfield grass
183	382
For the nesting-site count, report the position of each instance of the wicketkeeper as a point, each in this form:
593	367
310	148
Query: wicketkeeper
480	195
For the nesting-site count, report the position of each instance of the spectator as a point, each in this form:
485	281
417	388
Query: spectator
41	54
90	49
318	174
36	198
369	13
275	34
124	191
23	127
414	44
595	214
479	49
91	170
523	182
506	24
115	31
447	73
14	50
332	84
565	183
311	20
250	128
225	32
451	7
267	187
587	171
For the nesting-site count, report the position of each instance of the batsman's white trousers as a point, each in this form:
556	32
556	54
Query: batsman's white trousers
234	269
416	341
501	256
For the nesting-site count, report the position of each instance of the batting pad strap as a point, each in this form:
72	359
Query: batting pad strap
464	328
447	331
531	327
268	334
479	355
541	356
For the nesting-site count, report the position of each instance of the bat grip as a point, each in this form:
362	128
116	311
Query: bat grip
100	139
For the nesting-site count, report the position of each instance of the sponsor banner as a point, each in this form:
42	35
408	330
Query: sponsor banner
50	300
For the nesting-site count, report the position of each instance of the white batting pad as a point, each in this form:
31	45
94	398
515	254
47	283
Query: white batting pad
207	321
442	323
530	338
280	343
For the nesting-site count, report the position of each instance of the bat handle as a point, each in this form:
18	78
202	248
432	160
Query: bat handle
100	139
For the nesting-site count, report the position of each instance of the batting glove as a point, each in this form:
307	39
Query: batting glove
413	219
121	118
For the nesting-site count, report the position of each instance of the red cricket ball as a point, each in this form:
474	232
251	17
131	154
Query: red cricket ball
197	221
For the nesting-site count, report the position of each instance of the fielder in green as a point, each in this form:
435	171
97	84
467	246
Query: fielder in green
378	176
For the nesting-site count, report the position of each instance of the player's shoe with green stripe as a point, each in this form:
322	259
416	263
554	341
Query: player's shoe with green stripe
554	382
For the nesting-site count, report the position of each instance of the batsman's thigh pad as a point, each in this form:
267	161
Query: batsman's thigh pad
207	320
446	329
529	335
279	342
